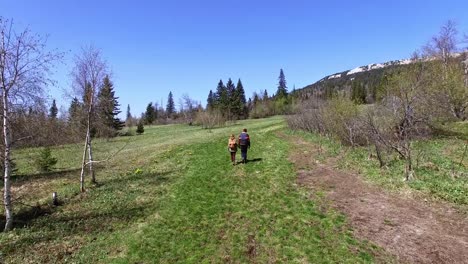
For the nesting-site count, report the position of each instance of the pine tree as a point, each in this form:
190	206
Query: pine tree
140	128
358	92
255	99
265	95
221	98
240	101
170	107
53	112
149	114
108	108
210	101
282	91
220	95
74	112
230	102
128	120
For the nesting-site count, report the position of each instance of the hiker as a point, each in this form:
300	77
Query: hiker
232	147
244	143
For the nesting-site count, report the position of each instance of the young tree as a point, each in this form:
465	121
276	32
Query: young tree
188	108
87	77
140	128
170	107
24	69
53	111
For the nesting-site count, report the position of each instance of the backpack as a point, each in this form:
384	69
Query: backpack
244	139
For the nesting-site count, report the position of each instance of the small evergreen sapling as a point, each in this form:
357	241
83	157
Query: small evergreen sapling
140	128
45	162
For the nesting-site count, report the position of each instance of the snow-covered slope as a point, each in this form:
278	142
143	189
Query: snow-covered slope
369	67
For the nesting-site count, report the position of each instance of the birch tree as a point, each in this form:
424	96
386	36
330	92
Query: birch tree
25	66
87	78
449	91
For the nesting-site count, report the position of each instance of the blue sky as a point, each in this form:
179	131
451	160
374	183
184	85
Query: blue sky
154	47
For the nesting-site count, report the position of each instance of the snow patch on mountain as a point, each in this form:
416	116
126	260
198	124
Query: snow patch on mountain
356	70
335	76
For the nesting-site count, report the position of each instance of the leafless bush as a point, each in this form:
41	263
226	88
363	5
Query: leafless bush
210	119
338	117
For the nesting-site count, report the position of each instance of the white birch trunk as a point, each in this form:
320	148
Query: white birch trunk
90	157
7	165
83	164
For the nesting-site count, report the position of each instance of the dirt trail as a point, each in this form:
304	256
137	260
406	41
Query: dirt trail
414	231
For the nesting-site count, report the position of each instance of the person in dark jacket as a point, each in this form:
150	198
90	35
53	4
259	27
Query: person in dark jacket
244	143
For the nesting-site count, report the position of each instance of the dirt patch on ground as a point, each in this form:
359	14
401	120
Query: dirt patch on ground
414	231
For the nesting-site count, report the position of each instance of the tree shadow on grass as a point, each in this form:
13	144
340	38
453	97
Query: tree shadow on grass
153	178
21	178
22	218
53	231
26	217
442	132
84	217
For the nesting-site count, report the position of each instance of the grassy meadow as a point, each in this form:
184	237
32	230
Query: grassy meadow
171	195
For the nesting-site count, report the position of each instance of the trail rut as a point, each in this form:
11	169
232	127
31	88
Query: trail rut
413	230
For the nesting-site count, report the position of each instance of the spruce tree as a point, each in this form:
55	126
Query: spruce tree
140	128
282	91
220	95
230	101
265	95
221	98
240	107
128	119
358	92
108	107
255	99
149	114
170	107
53	112
210	101
74	112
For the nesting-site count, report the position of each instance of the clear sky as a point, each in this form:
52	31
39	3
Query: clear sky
154	47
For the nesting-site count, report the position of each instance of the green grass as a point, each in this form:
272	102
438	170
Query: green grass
438	172
171	195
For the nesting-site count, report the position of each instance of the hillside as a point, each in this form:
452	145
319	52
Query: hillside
368	75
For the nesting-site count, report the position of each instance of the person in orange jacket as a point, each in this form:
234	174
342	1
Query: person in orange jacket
232	148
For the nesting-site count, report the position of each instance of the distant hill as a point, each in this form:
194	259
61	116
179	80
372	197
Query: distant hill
370	76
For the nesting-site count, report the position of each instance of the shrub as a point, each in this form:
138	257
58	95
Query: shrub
45	162
140	128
